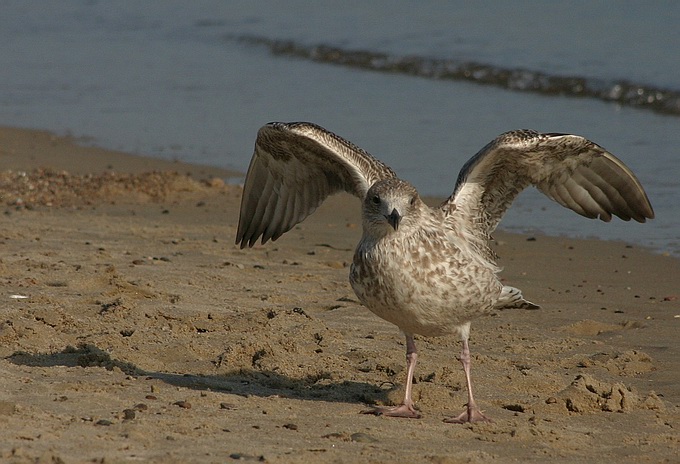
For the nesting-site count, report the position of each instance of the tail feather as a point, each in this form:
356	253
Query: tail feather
511	298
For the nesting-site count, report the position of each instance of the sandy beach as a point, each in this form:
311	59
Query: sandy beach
132	329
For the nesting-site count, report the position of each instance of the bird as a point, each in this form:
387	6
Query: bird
429	270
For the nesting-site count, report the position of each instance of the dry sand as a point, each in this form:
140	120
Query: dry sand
132	329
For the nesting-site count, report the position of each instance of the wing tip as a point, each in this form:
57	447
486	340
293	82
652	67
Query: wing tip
250	242
241	242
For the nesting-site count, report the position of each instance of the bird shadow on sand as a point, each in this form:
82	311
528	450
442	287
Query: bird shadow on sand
243	382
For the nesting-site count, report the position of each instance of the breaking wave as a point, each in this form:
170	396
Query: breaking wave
622	92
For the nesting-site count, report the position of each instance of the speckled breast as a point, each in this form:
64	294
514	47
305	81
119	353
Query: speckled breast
423	290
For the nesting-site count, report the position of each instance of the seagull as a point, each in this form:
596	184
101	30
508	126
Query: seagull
430	271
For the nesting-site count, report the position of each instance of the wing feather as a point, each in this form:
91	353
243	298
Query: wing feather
569	169
599	202
288	213
565	196
295	167
259	210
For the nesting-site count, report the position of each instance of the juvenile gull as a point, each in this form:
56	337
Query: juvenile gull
430	271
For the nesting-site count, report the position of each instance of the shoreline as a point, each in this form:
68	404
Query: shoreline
26	149
146	334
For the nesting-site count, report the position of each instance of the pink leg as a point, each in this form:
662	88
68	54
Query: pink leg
472	413
406	409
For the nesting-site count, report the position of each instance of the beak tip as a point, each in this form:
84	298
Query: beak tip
394	218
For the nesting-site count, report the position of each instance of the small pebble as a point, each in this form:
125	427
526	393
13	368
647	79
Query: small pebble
246	457
141	407
300	311
105	422
514	407
236	265
128	414
150	397
290	426
229	406
551	400
337	436
183	404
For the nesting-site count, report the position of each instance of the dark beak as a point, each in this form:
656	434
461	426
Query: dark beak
393	219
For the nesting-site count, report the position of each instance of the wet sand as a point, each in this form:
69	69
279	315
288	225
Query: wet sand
133	329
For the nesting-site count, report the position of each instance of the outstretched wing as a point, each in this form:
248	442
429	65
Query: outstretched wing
295	167
570	169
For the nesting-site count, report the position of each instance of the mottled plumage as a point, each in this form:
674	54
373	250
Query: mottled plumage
429	271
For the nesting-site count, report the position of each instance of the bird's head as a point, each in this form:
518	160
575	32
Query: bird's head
390	206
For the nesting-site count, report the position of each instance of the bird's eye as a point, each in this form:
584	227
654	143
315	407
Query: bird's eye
413	201
375	200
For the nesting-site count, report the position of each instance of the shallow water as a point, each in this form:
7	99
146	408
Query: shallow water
171	79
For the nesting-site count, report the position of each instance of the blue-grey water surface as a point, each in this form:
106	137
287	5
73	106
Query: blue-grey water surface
195	80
